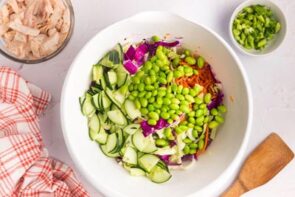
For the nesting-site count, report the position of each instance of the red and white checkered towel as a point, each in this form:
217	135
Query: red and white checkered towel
25	168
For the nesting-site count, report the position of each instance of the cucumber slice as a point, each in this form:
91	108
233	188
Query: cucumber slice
97	72
117	117
130	156
112	77
131	110
107	80
143	144
111	96
111	142
136	172
120	141
87	107
131	129
105	152
148	162
105	101
159	175
93	134
102	136
120	98
122	75
113	58
94	123
119	48
95	101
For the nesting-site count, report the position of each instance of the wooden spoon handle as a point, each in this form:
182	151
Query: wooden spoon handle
236	189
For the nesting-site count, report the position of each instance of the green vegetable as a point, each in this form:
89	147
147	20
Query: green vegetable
255	26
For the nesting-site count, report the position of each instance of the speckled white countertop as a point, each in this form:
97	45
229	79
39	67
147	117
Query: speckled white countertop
271	77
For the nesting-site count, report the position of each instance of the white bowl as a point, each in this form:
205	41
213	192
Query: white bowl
273	44
216	167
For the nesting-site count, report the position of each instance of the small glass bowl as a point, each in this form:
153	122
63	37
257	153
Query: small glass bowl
7	54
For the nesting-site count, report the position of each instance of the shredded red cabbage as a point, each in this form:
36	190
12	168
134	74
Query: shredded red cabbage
129	55
140	52
187	157
216	101
130	67
148	129
165	158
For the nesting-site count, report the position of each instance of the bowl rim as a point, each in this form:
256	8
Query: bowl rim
238	9
229	172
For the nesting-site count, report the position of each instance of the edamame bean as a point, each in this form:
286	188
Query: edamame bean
166	101
186	150
152	122
199	113
156	38
187	140
140	87
201	62
152	100
214	112
141	94
185	91
175	101
147	81
168	134
189	98
170	77
161	142
207	98
176	61
202	106
195	133
213	124
149	87
192	151
148	95
187	52
180	97
165	115
184	108
190	60
174	106
151	107
198	100
191	120
193	145
222	108
174	116
219	119
191	114
137	104
143	102
144	111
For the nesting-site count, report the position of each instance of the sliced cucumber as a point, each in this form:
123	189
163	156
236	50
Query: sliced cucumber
94	123
97	73
136	172
131	110
131	129
112	77
117	117
105	101
122	76
111	142
111	96
95	101
130	156
93	134
120	141
119	48
148	162
143	144
120	98
113	58
104	151
159	175
87	107
102	136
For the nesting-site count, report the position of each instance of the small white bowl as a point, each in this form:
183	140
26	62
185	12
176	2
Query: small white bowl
278	39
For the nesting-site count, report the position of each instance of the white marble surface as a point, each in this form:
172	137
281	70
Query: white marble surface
272	77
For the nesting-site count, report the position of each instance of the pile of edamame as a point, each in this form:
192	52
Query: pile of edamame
255	26
156	94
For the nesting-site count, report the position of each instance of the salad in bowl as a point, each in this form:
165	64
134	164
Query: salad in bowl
153	106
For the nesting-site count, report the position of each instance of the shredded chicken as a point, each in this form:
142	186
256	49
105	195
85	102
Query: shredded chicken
32	29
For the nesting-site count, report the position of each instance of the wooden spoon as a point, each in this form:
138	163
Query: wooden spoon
270	157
